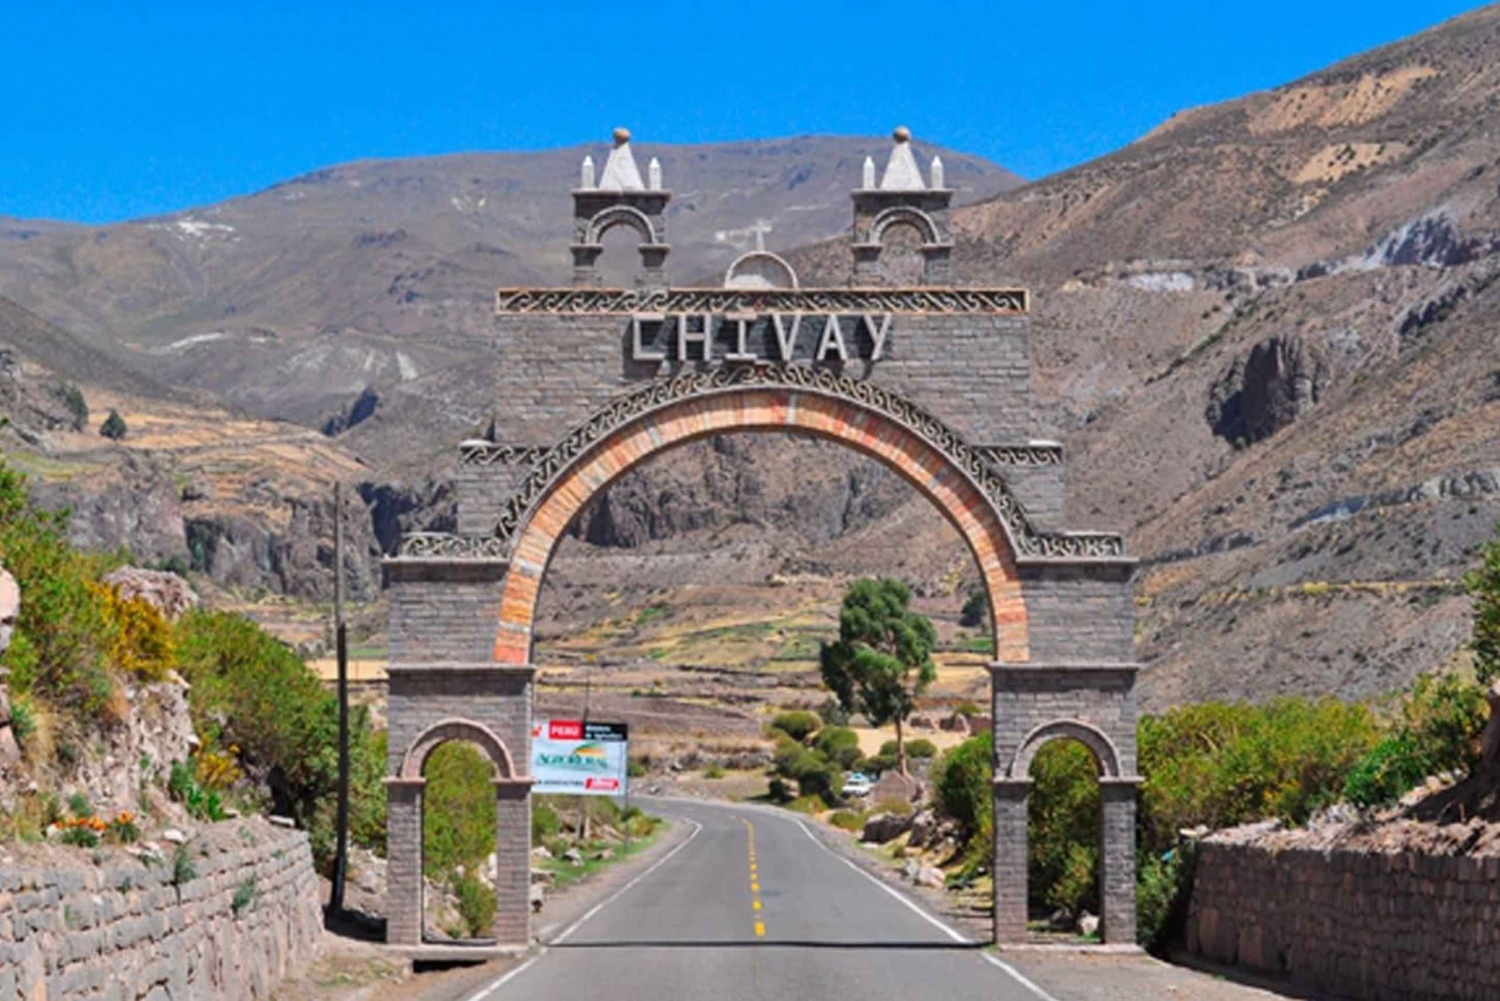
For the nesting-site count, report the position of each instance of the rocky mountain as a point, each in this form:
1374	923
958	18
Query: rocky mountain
294	301
1269	332
1266	333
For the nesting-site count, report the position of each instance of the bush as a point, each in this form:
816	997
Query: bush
72	398
921	748
840	745
976	609
970	709
81	837
847	820
1438	730
1063	819
22	720
798	725
458	809
544	822
833	714
1163	884
714	771
142	643
62	633
808	804
476	904
635	768
1483	585
961	783
244	895
814	774
114	427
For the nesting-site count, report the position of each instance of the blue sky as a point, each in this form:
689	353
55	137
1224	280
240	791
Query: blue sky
114	113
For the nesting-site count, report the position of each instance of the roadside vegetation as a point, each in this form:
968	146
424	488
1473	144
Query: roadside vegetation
1216	765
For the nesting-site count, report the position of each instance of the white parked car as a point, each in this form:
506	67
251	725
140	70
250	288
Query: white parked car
857	784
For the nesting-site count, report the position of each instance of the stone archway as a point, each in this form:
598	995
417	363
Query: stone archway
943	397
765	407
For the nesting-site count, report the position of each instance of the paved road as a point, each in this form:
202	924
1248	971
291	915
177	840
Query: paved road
751	906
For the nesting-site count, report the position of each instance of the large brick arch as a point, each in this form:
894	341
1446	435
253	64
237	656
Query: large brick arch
757	408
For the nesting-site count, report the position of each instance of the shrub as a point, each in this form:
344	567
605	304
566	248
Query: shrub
833	714
779	791
82	837
635	768
798	725
809	804
72	398
961	783
458	815
976	609
22	719
123	829
544	822
847	820
114	427
1162	886
1063	818
182	867
476	904
840	745
714	771
1483	585
142	643
1438	729
897	806
244	895
921	748
814	774
79	805
970	709
62	633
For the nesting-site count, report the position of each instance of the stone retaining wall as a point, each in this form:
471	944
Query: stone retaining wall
1398	926
101	924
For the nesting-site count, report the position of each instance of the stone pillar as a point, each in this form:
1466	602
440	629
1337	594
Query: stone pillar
1117	860
513	862
653	266
403	835
1010	859
867	265
585	264
936	269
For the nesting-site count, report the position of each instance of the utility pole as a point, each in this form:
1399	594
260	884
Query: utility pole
340	639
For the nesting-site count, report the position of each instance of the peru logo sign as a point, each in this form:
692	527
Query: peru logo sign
579	758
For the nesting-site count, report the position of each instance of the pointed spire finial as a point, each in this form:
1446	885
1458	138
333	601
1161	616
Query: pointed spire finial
653	174
868	182
901	171
587	180
620	171
937	172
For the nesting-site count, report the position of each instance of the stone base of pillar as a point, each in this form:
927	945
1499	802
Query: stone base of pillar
1010	859
1117	924
403	893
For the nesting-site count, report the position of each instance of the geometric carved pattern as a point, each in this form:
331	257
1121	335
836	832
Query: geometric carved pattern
579	301
1021	455
979	467
478	452
442	546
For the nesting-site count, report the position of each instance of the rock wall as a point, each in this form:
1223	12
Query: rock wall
1359	924
103	924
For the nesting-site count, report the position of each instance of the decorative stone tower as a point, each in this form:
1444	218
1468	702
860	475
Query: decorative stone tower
620	199
902	199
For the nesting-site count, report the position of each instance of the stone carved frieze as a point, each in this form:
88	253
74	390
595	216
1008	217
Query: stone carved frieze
974	462
442	546
478	452
909	301
1021	455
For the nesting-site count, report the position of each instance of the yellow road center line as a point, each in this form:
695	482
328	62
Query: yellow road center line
756	905
760	929
754	887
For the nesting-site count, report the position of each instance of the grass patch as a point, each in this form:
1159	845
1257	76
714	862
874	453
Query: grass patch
564	873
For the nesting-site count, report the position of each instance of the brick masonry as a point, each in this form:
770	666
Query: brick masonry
1063	625
120	930
1384	927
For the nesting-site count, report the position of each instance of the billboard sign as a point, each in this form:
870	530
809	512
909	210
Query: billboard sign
578	757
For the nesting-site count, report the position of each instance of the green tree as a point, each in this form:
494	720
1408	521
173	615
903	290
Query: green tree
882	659
114	427
976	609
1483	586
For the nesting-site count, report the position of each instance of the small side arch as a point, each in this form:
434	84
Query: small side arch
904	215
620	215
1089	736
457	729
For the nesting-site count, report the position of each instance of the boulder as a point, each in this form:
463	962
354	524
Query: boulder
540	851
923	828
910	869
10	607
930	876
1088	924
538	896
895	786
163	590
573	856
885	827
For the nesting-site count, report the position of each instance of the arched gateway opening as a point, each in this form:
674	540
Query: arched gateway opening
932	380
